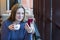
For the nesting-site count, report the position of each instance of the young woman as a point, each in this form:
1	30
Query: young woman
14	28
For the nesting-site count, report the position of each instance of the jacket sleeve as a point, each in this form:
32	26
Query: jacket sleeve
4	31
36	34
28	36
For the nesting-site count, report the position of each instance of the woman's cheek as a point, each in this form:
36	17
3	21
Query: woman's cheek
19	18
22	16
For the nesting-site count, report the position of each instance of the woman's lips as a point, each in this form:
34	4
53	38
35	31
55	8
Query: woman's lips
19	17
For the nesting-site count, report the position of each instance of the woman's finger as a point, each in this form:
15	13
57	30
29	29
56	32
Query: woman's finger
11	27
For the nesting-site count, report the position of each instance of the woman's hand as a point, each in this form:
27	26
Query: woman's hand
11	27
30	29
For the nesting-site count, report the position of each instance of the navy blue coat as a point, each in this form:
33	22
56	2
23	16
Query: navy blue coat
14	35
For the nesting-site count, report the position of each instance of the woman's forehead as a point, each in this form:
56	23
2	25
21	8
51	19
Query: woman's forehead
20	10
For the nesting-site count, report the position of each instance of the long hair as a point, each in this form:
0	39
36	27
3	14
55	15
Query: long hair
14	10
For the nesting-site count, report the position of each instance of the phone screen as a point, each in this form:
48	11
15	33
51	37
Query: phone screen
30	21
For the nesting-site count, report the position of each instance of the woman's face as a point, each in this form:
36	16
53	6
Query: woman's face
20	14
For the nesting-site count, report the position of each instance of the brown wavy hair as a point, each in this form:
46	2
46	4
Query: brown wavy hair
14	10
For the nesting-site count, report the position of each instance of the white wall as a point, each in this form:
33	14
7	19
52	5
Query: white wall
3	6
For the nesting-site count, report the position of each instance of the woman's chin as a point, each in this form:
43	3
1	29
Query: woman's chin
19	20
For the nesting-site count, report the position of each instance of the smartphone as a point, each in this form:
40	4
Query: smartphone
30	20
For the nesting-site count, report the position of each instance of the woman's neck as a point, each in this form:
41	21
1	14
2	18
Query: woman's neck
16	21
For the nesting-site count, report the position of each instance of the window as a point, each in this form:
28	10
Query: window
10	3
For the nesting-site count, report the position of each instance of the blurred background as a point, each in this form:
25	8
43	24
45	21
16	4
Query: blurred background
46	13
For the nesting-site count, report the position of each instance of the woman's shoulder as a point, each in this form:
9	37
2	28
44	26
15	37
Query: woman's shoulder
6	21
24	22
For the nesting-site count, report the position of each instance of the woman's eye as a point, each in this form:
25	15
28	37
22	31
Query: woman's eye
18	13
22	13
